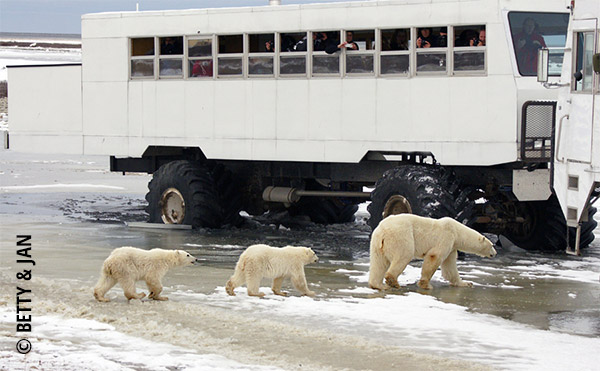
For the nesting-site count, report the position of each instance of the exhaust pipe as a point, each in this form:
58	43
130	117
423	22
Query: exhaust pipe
291	195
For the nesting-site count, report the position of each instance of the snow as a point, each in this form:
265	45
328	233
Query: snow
57	186
235	247
545	271
11	56
82	344
423	322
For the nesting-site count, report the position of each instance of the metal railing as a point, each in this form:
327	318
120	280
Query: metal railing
537	131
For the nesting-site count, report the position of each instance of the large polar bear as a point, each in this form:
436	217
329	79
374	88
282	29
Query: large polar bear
400	238
126	265
259	261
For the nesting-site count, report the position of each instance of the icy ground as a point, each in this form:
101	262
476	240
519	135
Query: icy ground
526	311
13	56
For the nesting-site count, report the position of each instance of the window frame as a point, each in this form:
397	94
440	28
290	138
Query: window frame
383	53
313	53
574	55
468	50
241	56
248	55
377	53
143	57
160	57
344	53
511	40
437	50
188	59
298	54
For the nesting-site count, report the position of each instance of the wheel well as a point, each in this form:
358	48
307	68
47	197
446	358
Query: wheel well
154	157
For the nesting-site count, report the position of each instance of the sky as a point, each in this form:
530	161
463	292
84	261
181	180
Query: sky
64	16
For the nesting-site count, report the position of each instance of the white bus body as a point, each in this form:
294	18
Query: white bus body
461	118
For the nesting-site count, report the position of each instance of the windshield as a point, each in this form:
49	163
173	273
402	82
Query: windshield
533	31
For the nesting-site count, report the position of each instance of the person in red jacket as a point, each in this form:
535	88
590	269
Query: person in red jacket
527	44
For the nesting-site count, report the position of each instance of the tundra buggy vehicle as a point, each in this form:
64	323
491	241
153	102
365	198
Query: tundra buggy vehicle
433	103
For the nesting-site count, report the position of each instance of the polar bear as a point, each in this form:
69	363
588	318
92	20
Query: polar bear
126	265
400	238
259	261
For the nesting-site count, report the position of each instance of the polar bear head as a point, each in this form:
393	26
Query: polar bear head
184	258
311	257
303	254
485	248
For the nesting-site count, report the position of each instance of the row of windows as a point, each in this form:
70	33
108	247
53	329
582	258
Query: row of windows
401	51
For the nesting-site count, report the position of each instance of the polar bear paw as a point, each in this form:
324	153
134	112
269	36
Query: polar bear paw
462	284
424	284
161	298
139	296
391	281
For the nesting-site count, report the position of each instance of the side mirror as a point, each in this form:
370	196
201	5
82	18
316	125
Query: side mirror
542	65
596	62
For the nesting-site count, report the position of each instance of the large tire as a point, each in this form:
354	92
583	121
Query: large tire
428	190
464	204
184	192
323	210
587	230
230	197
545	226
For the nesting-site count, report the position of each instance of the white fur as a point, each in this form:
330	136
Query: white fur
400	238
126	265
259	261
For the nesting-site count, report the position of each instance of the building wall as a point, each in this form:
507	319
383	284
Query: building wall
45	109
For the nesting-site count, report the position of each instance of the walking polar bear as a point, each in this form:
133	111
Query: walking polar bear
259	261
126	265
400	238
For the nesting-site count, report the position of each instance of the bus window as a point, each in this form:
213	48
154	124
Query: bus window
260	58
395	39
171	45
292	59
359	47
431	43
142	57
432	37
200	61
170	63
395	57
583	73
142	47
469	48
292	42
533	31
229	61
261	43
471	36
324	43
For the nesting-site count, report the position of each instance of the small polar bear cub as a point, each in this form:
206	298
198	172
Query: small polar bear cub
259	261
400	238
126	265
